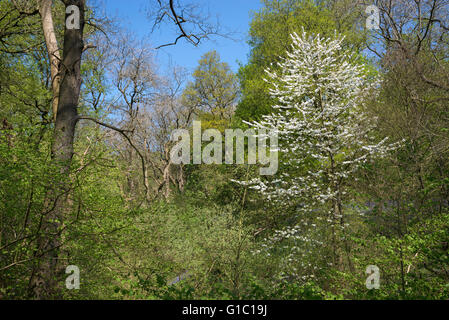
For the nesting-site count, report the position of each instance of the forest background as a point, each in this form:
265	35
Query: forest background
86	178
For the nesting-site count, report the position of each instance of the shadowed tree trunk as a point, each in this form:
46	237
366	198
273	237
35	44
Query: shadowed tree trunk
44	280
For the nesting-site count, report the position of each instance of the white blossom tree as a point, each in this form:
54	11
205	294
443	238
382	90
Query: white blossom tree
324	138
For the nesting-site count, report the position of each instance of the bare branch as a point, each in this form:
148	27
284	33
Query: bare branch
187	16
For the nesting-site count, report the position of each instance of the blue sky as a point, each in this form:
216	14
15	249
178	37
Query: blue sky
234	15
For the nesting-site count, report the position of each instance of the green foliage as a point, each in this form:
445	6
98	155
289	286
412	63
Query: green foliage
214	87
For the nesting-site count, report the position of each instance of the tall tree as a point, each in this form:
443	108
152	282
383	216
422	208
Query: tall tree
43	282
324	136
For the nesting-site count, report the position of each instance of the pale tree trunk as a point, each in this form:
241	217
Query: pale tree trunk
44	282
54	56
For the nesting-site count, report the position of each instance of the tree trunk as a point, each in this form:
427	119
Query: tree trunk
44	279
54	56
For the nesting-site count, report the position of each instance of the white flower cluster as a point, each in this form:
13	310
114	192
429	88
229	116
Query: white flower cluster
323	133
